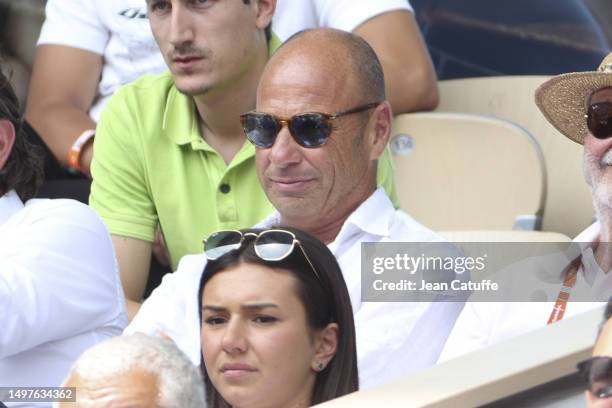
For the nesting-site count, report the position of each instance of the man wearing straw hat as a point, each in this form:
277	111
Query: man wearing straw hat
579	105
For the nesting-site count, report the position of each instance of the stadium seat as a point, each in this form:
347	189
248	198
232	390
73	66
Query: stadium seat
568	206
468	172
504	236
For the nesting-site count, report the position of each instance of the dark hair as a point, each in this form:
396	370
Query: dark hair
325	300
23	171
268	29
607	315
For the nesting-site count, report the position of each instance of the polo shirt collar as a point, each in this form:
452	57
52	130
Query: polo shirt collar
179	122
10	204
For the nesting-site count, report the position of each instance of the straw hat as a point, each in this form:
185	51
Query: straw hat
563	98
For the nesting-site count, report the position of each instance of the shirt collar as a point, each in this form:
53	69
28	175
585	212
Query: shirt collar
589	236
373	216
179	122
586	241
10	204
590	268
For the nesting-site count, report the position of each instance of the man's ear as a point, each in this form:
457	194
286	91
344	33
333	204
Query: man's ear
379	129
265	12
326	345
7	139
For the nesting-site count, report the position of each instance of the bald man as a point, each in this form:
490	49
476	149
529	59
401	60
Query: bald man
321	177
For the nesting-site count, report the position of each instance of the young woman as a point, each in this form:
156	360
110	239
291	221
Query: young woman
277	323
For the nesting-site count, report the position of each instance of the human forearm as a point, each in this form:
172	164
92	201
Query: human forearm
410	90
60	125
133	257
409	74
132	308
63	87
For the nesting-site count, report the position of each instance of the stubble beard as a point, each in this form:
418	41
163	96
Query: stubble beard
600	184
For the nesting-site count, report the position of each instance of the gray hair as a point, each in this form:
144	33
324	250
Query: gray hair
180	382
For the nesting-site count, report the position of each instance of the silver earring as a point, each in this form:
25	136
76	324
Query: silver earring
320	366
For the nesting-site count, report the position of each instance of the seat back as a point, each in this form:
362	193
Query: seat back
504	236
568	206
464	172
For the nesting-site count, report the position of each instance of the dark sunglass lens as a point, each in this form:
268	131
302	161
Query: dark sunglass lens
220	243
310	129
260	129
601	389
274	245
599	120
599	376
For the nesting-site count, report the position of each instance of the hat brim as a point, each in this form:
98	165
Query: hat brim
562	99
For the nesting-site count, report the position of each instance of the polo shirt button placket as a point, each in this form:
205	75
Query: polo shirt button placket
224	188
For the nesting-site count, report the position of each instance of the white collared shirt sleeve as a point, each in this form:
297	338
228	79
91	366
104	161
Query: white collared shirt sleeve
172	308
58	276
472	330
395	338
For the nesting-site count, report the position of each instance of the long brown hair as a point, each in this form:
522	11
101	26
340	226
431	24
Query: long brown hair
325	299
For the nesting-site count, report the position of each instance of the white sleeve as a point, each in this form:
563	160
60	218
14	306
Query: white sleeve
74	23
58	277
472	330
172	308
348	14
397	338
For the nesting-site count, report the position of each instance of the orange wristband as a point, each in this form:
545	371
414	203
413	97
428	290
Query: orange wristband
74	154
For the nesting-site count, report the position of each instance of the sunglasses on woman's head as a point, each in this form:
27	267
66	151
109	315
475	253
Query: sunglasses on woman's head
309	130
597	373
270	245
599	119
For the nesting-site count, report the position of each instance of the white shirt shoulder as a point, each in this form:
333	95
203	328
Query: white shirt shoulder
292	16
60	291
172	308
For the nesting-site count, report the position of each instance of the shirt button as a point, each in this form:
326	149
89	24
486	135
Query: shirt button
224	188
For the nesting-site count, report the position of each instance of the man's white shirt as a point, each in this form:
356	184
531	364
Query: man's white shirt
393	338
60	291
483	324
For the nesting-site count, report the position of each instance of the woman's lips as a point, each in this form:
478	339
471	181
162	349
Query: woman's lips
237	370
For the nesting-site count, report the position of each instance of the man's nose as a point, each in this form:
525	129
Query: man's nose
181	26
285	151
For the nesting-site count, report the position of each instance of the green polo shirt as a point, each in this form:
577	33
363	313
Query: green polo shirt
151	165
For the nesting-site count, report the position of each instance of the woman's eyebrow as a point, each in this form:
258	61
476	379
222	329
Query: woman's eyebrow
248	306
213	308
251	306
